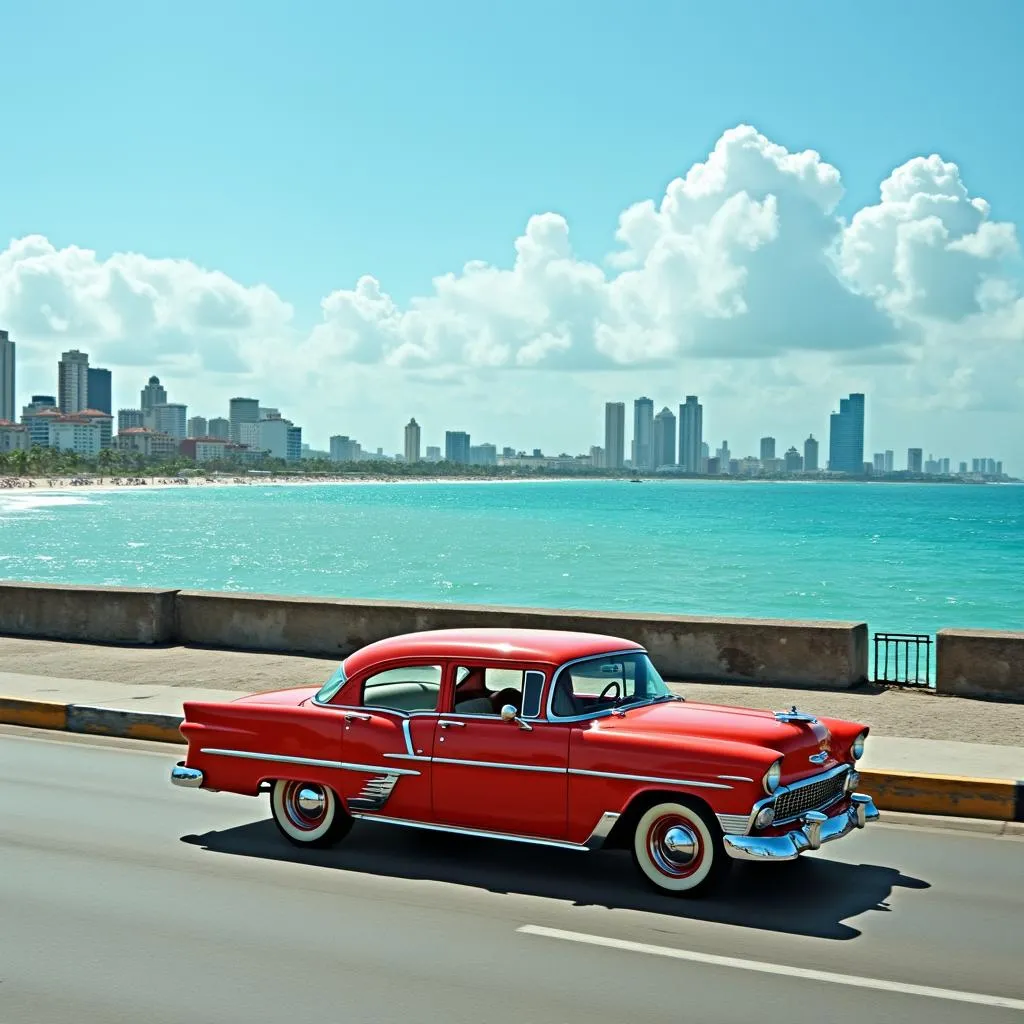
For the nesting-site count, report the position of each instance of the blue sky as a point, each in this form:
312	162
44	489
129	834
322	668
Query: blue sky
401	139
303	146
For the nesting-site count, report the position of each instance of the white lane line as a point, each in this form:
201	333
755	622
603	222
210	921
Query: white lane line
850	980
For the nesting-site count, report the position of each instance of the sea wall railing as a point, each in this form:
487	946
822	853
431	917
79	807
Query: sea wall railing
903	658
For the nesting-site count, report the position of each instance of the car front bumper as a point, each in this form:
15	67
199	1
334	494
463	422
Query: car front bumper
815	828
190	778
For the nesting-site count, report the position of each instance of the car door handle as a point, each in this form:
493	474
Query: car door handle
355	716
451	725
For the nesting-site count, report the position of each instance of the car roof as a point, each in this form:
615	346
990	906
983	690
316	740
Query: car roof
549	646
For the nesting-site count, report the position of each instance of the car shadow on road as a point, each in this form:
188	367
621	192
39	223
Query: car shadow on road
813	896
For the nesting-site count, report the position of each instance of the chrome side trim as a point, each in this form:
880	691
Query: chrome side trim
736	778
650	778
500	764
560	844
190	778
733	824
602	830
408	757
313	762
815	830
374	795
407	735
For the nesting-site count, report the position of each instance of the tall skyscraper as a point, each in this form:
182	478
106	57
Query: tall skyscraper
846	436
219	427
242	410
129	419
643	433
914	460
456	447
73	381
890	461
664	439
99	389
412	441
767	448
614	435
197	426
810	455
6	377
153	394
794	461
691	435
171	419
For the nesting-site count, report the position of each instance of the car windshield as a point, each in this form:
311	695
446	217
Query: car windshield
336	681
608	682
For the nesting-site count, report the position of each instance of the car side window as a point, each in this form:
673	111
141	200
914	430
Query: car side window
480	690
410	688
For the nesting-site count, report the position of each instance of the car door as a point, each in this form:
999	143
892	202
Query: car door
494	775
387	739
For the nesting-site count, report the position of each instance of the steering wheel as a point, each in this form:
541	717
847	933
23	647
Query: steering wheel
614	684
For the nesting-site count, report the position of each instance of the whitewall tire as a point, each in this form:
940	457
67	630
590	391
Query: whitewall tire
679	850
308	814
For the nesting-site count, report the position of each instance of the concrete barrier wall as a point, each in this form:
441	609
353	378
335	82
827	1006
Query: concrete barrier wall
113	615
980	663
768	651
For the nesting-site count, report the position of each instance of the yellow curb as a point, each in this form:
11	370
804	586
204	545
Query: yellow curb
36	714
957	795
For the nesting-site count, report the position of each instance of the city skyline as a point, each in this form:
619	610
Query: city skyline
658	442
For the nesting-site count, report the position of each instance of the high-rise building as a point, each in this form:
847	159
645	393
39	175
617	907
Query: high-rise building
914	460
344	449
101	419
219	427
691	435
98	386
810	455
170	419
767	448
197	426
890	462
846	437
963	467
36	417
433	453
483	455
456	447
794	461
643	433
153	394
73	381
614	435
725	459
412	441
242	410
129	419
293	451
664	439
878	462
6	377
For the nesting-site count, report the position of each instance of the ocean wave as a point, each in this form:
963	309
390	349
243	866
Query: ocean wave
30	501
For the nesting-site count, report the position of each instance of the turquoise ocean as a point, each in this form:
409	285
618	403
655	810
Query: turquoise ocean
903	557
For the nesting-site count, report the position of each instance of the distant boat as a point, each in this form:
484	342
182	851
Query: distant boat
636	480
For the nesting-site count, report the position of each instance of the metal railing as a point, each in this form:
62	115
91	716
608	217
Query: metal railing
903	658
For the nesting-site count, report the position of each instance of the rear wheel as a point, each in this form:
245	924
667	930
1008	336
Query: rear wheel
308	814
679	850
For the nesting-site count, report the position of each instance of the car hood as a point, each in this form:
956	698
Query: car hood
741	725
292	697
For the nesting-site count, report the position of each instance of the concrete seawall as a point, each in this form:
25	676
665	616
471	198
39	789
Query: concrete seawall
763	651
980	663
768	652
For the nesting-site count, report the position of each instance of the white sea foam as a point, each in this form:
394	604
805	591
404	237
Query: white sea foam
29	501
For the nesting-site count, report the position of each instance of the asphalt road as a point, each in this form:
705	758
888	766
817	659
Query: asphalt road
123	899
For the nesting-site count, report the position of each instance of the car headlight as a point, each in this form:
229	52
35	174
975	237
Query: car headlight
772	777
765	817
857	747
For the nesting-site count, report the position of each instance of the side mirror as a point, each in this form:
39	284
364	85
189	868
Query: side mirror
509	714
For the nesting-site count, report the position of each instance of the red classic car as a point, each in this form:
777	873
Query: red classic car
563	739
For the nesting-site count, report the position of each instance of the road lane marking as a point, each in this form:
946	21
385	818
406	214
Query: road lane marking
784	970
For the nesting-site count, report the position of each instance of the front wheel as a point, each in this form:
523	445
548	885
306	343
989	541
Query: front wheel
679	850
308	814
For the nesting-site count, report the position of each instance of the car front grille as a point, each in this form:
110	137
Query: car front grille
809	796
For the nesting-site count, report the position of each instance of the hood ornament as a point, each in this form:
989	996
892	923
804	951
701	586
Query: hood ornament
792	715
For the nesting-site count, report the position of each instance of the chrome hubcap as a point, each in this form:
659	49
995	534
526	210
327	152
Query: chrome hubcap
680	845
311	802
